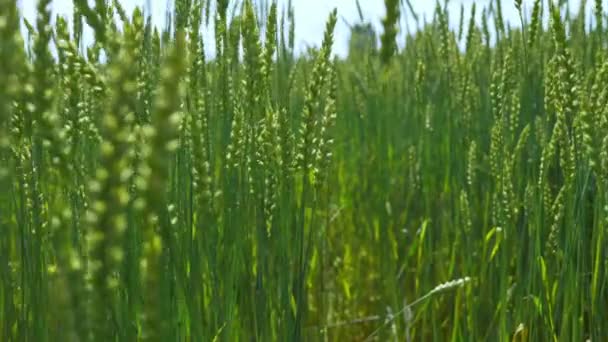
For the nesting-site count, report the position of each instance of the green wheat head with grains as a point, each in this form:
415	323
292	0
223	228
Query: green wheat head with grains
450	184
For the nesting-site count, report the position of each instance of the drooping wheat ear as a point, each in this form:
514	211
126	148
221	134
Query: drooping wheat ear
445	287
452	284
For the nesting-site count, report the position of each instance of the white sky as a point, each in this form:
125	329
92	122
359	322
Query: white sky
312	14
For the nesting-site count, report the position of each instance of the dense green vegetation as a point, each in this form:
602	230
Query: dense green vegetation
455	189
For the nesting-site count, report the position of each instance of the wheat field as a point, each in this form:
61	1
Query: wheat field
449	187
